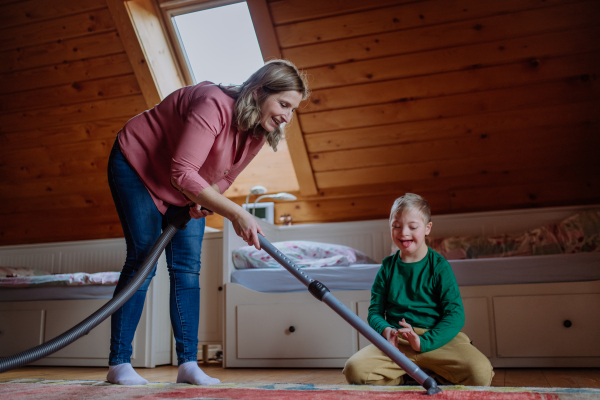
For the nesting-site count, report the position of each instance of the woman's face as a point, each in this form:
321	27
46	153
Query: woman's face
278	109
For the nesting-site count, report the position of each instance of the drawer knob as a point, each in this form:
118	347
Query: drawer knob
220	288
292	329
567	323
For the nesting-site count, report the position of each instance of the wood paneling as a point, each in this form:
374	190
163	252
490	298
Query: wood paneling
296	10
576	89
530	141
399	17
66	88
61	51
65	73
537	47
56	29
32	11
472	80
74	93
443	128
476	105
511	161
66	115
73	133
480	30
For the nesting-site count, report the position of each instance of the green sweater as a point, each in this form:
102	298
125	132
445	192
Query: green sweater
424	293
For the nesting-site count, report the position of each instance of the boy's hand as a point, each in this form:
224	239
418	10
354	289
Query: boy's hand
391	335
411	336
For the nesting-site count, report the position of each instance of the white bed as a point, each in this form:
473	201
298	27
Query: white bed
517	309
31	316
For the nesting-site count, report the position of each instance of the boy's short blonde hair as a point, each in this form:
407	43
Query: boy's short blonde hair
411	201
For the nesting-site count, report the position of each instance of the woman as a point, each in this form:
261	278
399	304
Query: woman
188	150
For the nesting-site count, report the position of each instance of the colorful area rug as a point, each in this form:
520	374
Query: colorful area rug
34	389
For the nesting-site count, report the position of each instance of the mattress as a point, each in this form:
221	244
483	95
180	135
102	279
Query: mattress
57	293
475	272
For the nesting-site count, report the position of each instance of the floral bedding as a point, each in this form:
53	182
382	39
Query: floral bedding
578	233
25	277
303	254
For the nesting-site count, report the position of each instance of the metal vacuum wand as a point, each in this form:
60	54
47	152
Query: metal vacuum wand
323	294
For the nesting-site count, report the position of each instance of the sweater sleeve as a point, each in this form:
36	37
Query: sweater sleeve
453	314
203	122
379	292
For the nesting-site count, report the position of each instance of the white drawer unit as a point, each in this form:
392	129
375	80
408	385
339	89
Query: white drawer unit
309	330
94	345
477	323
548	325
20	330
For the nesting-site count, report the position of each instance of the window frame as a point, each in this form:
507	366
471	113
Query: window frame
259	13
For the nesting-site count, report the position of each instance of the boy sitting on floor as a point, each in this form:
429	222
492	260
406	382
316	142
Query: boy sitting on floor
416	306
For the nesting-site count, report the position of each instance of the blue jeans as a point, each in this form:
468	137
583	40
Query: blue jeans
142	225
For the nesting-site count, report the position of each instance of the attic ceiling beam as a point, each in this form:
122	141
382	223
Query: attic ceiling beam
269	47
146	44
134	51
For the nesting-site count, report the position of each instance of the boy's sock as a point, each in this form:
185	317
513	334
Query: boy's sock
124	374
190	372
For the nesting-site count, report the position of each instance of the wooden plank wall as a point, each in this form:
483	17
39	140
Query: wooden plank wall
66	88
474	104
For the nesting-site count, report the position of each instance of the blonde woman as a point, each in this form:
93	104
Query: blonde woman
188	150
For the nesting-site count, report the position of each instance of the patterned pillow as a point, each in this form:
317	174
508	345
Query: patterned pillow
21	271
303	254
580	233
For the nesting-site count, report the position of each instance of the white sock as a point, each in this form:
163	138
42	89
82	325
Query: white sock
190	372
124	374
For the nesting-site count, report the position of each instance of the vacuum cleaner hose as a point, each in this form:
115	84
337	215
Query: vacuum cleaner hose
178	222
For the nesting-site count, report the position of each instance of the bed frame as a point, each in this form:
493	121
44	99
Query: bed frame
25	324
526	325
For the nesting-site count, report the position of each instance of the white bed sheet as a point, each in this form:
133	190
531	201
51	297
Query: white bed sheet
478	272
57	293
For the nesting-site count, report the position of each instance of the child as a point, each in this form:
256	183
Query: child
416	306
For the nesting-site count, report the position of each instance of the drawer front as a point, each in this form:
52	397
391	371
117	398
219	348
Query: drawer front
20	330
307	330
96	344
477	323
548	326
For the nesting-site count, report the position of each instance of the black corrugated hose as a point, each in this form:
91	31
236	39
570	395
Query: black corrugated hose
178	222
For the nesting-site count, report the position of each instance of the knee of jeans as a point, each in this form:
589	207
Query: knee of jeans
130	270
188	280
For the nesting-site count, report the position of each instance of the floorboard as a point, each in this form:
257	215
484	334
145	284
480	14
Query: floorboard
504	377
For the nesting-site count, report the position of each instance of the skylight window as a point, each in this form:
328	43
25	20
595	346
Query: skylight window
219	43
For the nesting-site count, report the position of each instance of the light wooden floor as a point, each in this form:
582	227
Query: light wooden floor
549	377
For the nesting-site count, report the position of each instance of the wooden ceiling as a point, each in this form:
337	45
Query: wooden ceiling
474	104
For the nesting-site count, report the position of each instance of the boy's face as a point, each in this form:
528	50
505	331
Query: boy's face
408	233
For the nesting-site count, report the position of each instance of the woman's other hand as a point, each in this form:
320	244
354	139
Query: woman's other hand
197	212
246	227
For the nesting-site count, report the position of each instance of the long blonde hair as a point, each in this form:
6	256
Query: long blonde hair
274	77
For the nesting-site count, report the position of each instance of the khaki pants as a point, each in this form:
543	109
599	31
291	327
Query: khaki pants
458	362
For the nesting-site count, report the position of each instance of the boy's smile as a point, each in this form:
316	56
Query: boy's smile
408	233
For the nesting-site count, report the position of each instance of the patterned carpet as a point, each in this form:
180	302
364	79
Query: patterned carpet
34	389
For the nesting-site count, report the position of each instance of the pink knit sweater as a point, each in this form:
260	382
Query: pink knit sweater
188	136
